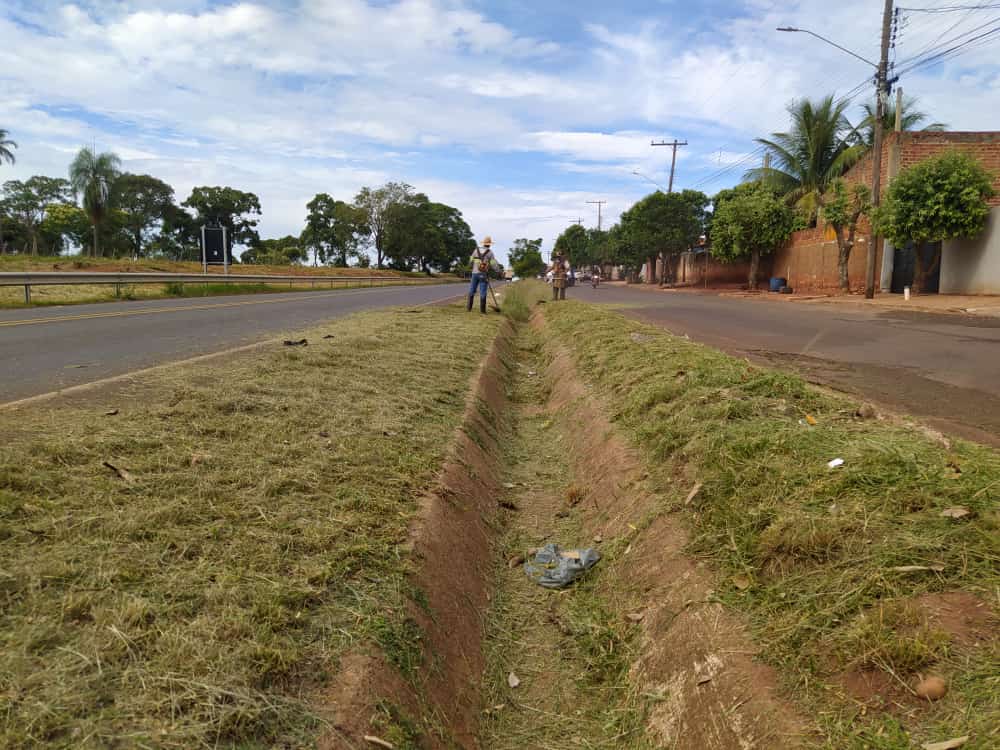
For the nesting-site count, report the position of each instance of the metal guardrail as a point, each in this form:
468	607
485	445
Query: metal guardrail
118	279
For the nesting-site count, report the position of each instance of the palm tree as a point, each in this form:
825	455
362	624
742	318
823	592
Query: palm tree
911	118
6	146
6	154
92	176
818	148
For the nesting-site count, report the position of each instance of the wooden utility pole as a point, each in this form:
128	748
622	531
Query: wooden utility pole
881	93
673	159
598	204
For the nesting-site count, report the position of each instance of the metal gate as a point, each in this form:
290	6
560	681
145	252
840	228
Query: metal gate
904	267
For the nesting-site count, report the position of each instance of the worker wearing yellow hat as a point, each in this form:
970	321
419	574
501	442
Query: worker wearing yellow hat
482	261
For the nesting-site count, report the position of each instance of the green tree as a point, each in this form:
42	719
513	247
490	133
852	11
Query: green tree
526	258
179	237
7	147
750	220
144	202
233	209
911	119
843	206
421	234
818	148
664	225
573	244
283	251
65	225
377	205
941	198
92	176
26	203
334	230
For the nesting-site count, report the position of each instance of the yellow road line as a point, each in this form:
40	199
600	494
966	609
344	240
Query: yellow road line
155	310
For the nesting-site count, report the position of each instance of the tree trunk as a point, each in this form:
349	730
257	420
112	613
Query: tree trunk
34	242
95	240
921	274
754	268
844	247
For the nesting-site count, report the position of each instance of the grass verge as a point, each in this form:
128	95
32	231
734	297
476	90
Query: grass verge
819	560
79	294
520	298
182	564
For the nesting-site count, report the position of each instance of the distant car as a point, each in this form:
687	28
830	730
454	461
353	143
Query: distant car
515	278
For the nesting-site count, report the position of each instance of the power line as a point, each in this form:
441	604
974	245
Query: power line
673	161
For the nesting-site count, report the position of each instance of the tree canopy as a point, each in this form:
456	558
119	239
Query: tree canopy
941	198
335	230
420	234
666	224
378	204
236	210
749	220
573	244
27	201
526	257
144	202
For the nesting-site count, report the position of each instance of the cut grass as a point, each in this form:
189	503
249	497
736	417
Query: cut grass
520	298
812	549
254	530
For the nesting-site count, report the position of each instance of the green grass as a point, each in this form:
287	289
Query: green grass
203	598
817	545
520	298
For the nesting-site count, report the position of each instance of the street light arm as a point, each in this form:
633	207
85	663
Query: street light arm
647	179
828	41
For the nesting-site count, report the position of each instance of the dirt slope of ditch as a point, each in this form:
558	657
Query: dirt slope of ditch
694	656
425	696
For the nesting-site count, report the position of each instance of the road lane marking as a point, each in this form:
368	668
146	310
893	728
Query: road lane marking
82	387
156	310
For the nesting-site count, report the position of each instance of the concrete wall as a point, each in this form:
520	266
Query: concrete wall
973	266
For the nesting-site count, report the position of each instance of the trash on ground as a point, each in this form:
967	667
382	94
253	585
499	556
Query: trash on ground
704	680
121	473
513	680
811	420
199	458
835	463
509	485
379	742
299	342
636	616
916	568
111	413
693	493
555	568
947	744
957	512
329	336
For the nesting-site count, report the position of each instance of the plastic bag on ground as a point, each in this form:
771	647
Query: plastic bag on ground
554	568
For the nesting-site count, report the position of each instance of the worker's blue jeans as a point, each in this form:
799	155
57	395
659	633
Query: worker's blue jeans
479	280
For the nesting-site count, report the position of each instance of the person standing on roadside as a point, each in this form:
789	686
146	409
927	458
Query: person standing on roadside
559	269
482	261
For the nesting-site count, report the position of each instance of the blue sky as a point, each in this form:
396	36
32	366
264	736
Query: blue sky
516	112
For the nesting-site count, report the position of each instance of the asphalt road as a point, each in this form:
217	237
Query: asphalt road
943	368
46	349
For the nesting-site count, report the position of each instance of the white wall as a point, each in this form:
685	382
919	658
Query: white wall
973	266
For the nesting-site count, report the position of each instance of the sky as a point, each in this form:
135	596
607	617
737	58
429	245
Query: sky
518	113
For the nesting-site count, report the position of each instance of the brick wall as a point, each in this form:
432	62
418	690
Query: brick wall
810	258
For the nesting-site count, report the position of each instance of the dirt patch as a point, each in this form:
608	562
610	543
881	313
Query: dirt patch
450	552
695	657
963	616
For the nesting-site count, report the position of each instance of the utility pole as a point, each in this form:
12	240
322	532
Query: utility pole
673	159
881	94
598	204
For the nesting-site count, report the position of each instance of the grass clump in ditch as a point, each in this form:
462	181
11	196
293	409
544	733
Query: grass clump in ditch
521	297
187	571
819	559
